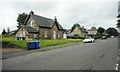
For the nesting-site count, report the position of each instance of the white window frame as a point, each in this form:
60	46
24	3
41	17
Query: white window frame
31	23
45	33
54	34
35	35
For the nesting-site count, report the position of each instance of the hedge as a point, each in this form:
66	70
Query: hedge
76	37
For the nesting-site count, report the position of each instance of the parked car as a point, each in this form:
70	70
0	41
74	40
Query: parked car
112	36
104	37
93	40
89	40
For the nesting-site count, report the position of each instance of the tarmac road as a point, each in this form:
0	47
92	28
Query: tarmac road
101	55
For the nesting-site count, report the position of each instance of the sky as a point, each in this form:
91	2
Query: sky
87	13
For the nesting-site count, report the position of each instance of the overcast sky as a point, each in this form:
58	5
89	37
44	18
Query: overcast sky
68	12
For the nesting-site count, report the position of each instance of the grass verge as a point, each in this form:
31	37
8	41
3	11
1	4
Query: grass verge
43	43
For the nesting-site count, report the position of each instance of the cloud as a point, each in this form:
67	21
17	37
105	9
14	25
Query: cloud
85	14
36	6
60	0
68	12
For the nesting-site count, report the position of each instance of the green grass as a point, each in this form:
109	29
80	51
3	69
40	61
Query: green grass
43	43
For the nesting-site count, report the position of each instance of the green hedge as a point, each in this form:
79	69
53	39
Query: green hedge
76	37
97	36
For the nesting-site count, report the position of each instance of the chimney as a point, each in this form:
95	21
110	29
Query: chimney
82	26
55	18
31	12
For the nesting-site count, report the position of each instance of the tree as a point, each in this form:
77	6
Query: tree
118	24
8	30
75	25
21	19
3	32
112	32
101	30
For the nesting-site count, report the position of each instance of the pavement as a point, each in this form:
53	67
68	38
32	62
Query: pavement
10	50
101	55
13	52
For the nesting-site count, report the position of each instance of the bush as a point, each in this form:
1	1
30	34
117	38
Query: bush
97	36
7	35
92	36
76	37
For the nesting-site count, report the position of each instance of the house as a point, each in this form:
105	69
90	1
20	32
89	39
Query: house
79	30
92	31
39	27
64	33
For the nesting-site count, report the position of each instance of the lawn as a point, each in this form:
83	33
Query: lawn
43	43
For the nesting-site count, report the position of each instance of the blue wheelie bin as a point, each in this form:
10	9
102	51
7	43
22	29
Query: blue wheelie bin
37	44
32	45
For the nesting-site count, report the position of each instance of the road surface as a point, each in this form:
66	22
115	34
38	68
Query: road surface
101	55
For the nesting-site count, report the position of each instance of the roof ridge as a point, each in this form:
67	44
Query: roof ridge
43	17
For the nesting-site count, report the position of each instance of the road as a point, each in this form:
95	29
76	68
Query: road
101	55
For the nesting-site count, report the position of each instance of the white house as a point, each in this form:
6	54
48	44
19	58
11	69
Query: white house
92	31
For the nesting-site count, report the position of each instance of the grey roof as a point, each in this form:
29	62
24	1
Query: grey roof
80	28
59	26
30	29
44	22
93	29
83	30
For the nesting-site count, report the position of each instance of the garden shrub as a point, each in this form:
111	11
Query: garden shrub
76	37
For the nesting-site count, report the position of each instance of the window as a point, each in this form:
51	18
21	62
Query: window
24	34
27	34
31	23
35	35
54	34
45	33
